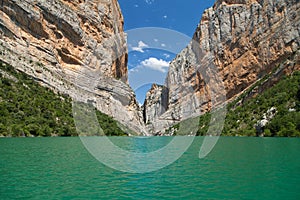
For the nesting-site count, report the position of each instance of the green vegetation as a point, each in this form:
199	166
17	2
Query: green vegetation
242	120
29	109
284	97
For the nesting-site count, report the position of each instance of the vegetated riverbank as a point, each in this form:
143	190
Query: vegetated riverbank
274	113
28	109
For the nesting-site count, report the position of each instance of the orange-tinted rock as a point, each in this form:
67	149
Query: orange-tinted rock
237	42
76	47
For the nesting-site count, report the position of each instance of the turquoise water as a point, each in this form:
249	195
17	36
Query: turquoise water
237	168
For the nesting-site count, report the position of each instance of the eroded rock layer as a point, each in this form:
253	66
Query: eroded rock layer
76	47
236	43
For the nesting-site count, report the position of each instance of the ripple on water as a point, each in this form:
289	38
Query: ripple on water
237	168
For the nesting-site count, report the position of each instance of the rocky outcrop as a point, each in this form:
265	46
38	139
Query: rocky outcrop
75	47
156	102
79	48
267	117
236	43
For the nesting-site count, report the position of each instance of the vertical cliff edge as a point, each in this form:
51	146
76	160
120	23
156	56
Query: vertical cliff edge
237	42
75	47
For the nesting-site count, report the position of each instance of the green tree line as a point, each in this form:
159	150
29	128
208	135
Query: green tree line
241	120
29	109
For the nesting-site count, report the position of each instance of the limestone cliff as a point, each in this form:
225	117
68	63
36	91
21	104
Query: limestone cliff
237	42
75	47
156	102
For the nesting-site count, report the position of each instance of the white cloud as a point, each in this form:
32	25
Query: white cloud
142	75
136	69
140	48
155	64
163	45
149	1
166	55
165	16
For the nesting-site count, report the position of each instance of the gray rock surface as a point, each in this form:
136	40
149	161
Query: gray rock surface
236	43
79	48
75	47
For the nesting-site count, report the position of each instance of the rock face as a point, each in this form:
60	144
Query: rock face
236	43
75	47
78	48
261	124
156	102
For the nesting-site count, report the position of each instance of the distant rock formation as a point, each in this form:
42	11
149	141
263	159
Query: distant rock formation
75	47
156	103
236	42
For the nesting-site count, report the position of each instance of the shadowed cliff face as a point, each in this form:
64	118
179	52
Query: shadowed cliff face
236	42
76	47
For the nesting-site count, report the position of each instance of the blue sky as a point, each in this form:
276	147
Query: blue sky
151	49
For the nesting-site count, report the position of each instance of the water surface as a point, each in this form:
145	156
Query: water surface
237	168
